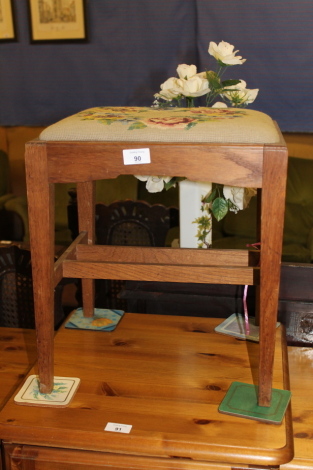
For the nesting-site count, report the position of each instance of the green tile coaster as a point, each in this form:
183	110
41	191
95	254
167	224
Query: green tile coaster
102	320
242	400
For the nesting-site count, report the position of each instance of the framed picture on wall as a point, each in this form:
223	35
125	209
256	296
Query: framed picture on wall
7	29
57	20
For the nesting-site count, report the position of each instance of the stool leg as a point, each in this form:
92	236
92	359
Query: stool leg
40	195
258	239
272	220
86	223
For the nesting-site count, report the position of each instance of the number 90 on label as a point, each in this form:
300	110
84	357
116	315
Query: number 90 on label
136	156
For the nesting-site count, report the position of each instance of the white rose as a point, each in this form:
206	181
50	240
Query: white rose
155	184
219	104
240	95
186	71
250	95
240	197
201	75
195	86
169	90
224	52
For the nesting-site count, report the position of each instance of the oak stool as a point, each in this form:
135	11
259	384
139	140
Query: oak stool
236	147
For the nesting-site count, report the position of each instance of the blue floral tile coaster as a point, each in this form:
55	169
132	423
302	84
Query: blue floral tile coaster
235	326
103	320
64	388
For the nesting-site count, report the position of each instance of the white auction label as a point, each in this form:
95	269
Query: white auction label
116	427
136	156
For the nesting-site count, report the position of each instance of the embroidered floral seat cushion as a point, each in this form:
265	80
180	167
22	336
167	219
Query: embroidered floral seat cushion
230	125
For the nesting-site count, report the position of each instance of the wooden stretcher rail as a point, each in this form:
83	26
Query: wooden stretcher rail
69	253
183	256
163	273
157	264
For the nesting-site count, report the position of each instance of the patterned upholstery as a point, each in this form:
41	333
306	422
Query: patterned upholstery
229	125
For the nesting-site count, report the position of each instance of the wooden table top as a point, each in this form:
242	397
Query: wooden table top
301	373
17	355
165	376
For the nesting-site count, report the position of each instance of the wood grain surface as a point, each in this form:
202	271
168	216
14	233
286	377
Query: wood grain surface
301	367
100	160
165	376
41	206
17	355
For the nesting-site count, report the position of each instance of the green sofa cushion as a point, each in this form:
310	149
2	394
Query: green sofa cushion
236	230
299	201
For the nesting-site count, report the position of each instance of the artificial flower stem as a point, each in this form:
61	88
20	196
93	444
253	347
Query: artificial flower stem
189	102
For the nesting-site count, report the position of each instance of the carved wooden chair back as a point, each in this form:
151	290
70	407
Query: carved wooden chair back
128	223
16	290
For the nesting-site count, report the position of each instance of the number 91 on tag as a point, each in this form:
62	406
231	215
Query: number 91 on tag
136	156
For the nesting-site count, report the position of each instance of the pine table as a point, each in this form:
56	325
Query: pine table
165	377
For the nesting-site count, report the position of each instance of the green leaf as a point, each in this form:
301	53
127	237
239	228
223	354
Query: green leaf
232	206
227	83
213	79
137	125
203	221
190	125
202	237
107	122
219	208
210	197
169	184
173	182
222	63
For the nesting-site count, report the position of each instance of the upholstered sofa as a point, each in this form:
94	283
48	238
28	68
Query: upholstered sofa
13	188
238	230
13	209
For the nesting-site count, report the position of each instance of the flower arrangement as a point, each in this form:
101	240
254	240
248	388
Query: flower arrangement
190	85
181	91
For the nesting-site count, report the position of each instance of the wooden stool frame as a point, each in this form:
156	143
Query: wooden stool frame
243	165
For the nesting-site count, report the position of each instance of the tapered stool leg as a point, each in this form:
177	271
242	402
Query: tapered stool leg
272	221
40	196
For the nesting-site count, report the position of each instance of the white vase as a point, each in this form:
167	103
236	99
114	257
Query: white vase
191	194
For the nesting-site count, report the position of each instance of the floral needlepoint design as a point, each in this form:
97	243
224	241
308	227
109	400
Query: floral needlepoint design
142	118
64	388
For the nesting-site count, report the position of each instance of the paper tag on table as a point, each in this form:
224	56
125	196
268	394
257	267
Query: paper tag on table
116	427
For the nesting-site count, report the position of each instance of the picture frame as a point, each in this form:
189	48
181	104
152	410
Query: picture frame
57	20
7	26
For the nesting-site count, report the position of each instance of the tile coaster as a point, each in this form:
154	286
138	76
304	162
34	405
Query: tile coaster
235	326
103	320
64	388
242	400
